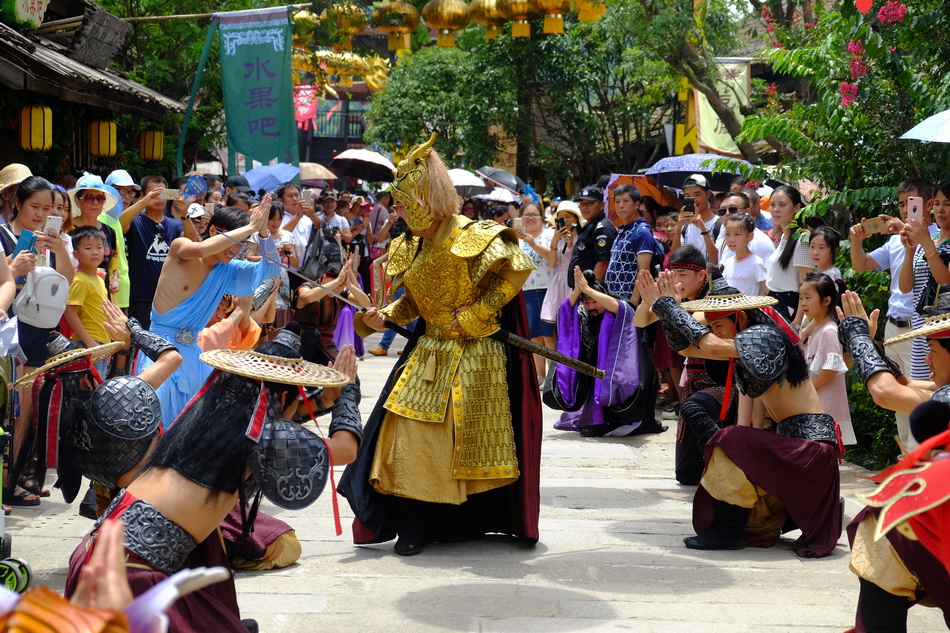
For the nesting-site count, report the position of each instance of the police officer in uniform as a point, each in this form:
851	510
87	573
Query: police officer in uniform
592	247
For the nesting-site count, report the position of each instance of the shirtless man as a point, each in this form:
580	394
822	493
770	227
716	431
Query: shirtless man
742	462
227	443
194	278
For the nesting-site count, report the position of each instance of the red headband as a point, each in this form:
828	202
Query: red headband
688	266
940	334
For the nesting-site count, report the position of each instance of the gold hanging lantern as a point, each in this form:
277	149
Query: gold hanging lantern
152	145
488	14
36	128
349	19
519	11
448	17
589	10
102	139
554	11
397	20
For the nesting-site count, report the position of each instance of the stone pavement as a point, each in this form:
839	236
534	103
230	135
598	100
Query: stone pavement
611	558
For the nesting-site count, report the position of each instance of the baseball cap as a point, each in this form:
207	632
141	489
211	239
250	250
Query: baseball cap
240	183
121	178
696	180
593	194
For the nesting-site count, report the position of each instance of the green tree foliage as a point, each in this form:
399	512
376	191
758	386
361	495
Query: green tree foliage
586	102
867	82
427	93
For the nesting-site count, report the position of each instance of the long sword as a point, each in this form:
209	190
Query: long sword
500	335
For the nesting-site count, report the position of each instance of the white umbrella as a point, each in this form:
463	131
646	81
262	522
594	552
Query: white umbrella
934	129
468	184
499	194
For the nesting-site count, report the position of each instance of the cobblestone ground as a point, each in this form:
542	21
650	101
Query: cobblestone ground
611	558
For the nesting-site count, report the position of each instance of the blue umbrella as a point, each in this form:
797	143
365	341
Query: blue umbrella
269	177
674	170
935	129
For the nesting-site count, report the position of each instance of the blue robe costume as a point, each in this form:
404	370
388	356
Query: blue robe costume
181	324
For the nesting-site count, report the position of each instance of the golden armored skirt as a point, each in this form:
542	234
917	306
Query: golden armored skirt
447	429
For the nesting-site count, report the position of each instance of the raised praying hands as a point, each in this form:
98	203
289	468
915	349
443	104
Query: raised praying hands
115	323
851	305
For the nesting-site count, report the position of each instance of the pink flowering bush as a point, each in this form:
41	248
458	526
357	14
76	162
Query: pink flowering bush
892	12
849	92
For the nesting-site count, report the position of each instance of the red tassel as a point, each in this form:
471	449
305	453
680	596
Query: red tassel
727	395
336	502
256	426
840	443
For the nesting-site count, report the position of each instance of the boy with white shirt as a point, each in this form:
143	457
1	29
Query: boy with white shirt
702	227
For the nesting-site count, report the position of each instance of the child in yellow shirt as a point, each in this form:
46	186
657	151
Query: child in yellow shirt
87	293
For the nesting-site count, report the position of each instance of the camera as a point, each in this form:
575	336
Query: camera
559	223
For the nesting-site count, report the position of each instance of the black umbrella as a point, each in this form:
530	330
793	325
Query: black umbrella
502	178
365	164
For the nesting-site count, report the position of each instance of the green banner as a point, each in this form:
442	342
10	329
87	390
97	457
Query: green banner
257	83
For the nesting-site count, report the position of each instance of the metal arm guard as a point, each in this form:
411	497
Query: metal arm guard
679	323
856	338
676	340
346	413
761	359
261	293
151	344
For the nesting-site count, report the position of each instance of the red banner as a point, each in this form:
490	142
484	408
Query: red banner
305	106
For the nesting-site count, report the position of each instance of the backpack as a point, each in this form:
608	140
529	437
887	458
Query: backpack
321	251
42	300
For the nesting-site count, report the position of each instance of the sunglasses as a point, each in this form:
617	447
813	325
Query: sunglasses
91	197
734	209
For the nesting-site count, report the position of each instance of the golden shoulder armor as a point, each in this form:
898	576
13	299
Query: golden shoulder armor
476	236
402	250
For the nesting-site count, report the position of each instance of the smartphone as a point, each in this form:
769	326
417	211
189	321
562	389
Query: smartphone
873	226
517	224
559	223
688	206
169	194
54	224
307	196
27	242
209	208
915	209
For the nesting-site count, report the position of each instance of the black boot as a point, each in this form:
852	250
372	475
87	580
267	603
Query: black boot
881	611
87	507
727	530
412	517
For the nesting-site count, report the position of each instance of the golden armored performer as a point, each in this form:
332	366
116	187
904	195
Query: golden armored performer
454	442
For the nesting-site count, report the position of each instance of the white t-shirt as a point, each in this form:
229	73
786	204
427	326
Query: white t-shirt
779	280
540	278
760	245
745	275
337	222
299	236
694	236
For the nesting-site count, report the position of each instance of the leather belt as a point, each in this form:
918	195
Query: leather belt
900	322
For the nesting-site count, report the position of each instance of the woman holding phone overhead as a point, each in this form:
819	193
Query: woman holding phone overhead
32	205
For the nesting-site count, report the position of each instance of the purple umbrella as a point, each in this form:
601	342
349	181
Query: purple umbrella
674	170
